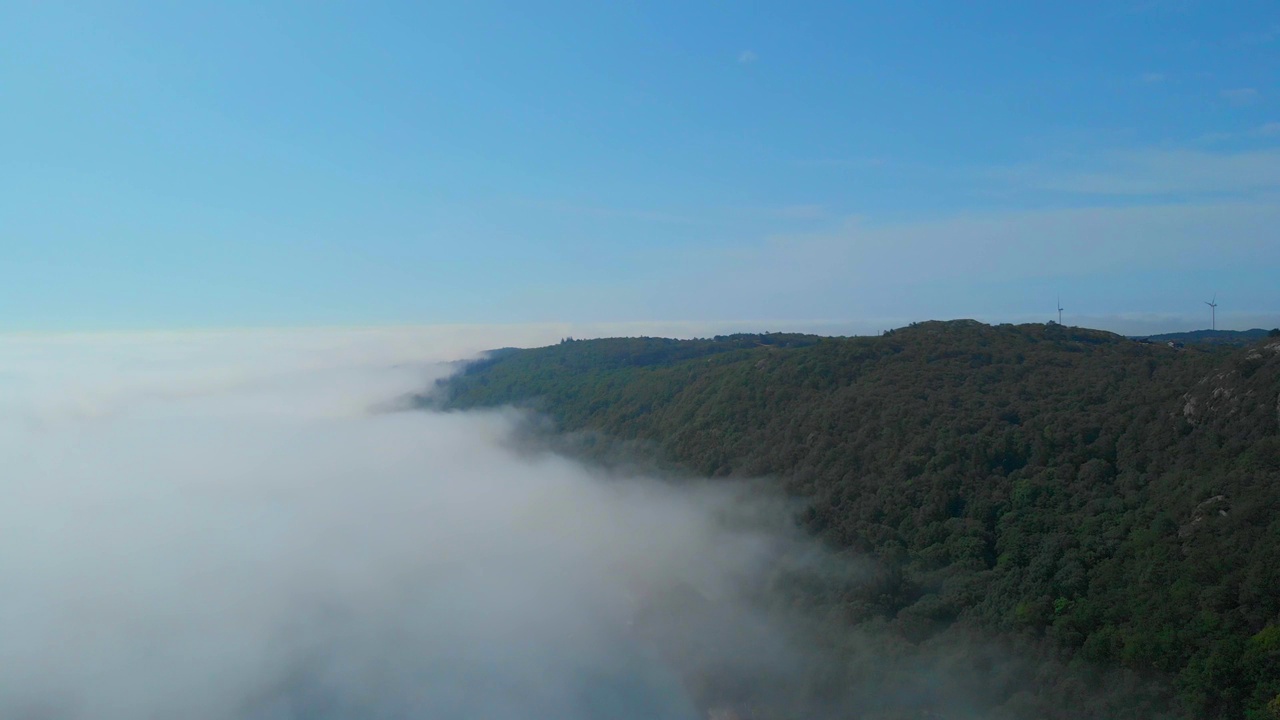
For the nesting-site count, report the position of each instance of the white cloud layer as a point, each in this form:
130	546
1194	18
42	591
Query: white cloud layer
216	526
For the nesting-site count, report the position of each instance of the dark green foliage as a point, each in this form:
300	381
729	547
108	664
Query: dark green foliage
1108	506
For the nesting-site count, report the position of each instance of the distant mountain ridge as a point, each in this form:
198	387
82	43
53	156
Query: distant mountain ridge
1107	506
1211	337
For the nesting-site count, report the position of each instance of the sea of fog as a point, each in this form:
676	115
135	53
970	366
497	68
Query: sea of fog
236	526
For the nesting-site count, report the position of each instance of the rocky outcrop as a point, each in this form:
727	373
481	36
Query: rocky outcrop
1249	387
1216	506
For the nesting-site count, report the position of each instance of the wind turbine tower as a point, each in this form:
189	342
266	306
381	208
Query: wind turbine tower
1059	309
1213	311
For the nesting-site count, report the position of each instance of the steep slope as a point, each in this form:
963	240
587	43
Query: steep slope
1111	503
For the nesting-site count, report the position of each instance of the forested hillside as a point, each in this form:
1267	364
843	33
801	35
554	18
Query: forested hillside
1106	507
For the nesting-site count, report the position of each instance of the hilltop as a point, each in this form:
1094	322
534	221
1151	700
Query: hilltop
1238	338
1106	507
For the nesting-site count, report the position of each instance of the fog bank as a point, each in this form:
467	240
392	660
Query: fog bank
226	526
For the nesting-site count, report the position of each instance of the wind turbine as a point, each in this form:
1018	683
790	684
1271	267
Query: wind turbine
1059	309
1213	310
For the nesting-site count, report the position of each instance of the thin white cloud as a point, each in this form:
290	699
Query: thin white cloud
1271	129
1261	37
1211	138
605	212
1160	6
841	162
800	212
1240	96
1152	77
1158	172
993	264
1018	243
746	57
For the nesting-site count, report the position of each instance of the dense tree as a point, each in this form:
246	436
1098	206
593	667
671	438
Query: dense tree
1108	506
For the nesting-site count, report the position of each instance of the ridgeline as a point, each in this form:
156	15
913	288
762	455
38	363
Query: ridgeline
1237	338
1108	508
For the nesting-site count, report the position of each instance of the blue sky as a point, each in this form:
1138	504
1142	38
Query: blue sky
186	165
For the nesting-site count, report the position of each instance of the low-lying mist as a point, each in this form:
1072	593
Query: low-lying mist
233	527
